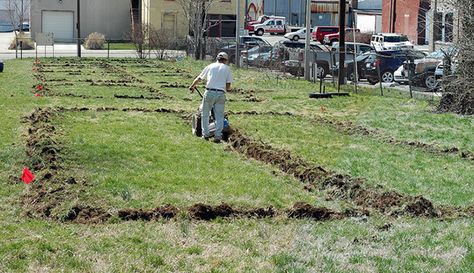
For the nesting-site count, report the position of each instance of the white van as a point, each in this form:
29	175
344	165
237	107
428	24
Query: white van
272	26
390	41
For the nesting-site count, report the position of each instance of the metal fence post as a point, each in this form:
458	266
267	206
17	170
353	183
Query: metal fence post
380	78
410	78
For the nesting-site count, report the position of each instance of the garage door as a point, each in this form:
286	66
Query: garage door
61	23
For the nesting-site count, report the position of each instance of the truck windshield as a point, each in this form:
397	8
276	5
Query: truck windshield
396	39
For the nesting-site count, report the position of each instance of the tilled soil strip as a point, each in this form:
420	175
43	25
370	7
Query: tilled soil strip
128	81
200	211
351	128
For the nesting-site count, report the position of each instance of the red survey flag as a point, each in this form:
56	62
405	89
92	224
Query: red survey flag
27	176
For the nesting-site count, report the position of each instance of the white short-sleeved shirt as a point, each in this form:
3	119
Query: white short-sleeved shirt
217	75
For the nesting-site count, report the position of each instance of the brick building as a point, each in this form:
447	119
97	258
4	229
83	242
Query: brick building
408	17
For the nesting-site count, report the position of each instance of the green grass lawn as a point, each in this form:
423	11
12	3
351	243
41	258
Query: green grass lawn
121	46
143	160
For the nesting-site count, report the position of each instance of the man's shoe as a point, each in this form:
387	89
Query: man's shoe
205	137
216	140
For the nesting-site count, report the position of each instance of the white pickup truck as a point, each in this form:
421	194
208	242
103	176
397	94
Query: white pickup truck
275	25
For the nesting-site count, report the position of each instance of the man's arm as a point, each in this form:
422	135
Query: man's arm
229	81
199	78
196	81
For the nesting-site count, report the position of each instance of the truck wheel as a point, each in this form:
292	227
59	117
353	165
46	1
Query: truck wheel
351	77
259	32
431	82
296	38
321	72
387	76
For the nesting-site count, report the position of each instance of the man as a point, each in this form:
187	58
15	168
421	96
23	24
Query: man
219	79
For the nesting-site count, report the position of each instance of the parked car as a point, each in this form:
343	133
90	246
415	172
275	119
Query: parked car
390	41
23	27
246	42
294	64
330	39
272	26
319	32
386	63
351	49
350	67
258	56
422	70
299	34
1	66
6	28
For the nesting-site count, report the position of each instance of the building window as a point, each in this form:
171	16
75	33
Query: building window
222	25
448	27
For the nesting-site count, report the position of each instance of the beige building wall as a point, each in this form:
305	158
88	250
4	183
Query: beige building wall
168	14
109	17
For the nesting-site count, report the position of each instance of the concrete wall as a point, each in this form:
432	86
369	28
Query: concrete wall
109	17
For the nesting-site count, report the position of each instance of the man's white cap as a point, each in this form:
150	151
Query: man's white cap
222	55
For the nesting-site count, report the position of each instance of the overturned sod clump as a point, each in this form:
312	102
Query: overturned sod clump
43	156
337	186
388	202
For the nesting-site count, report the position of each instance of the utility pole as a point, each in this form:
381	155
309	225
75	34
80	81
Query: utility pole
78	26
22	16
433	24
237	35
342	42
307	73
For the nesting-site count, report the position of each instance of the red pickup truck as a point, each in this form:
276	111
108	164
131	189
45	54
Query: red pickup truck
330	39
319	32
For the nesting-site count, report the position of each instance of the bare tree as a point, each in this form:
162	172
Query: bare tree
17	11
459	95
139	36
196	12
160	41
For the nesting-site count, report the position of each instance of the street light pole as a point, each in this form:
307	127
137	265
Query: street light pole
78	26
237	35
307	74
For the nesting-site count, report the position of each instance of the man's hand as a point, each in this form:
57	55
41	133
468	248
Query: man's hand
192	88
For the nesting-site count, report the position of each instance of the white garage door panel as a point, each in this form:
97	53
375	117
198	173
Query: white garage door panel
61	23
